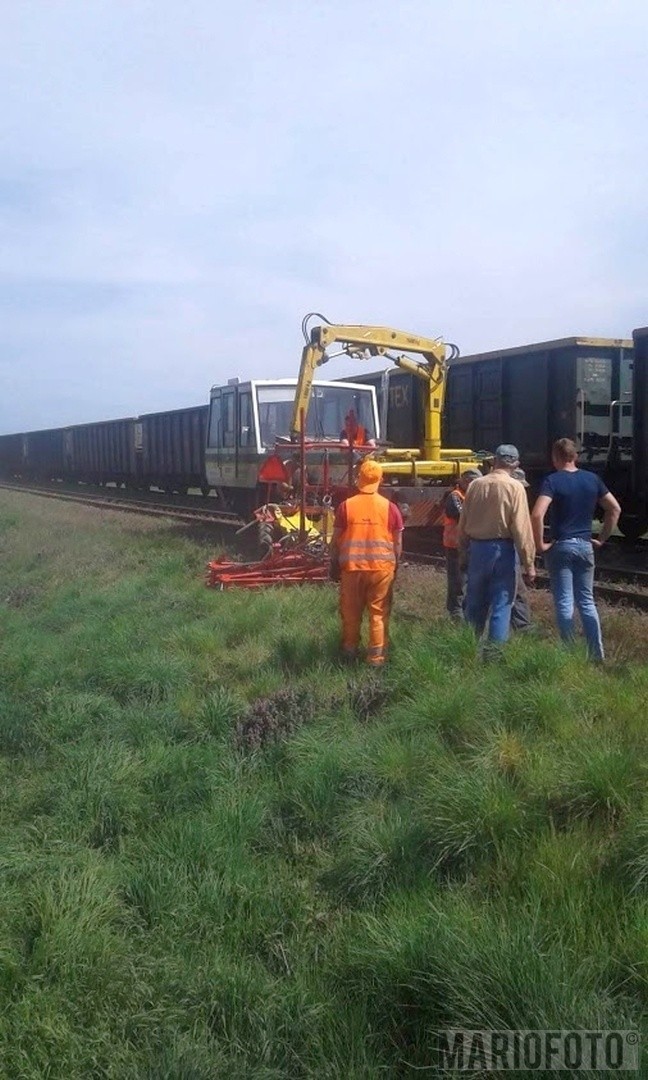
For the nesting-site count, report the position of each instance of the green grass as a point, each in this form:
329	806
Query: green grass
225	854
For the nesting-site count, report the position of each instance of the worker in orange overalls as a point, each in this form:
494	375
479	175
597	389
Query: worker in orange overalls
365	550
455	573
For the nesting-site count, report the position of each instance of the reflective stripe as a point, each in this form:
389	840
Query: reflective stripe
366	556
366	542
357	547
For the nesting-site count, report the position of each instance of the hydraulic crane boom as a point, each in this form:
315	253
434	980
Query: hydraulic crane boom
364	342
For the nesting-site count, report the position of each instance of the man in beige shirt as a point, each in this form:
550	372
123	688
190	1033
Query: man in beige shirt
494	524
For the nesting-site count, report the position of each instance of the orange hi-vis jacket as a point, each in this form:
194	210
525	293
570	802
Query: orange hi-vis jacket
366	543
451	525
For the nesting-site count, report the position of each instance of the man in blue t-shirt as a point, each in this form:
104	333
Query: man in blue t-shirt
573	495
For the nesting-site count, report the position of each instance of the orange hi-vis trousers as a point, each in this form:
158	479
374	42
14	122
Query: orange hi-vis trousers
370	589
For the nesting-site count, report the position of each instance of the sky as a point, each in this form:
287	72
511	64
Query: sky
181	182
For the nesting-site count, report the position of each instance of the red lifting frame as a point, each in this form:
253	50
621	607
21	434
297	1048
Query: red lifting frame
298	566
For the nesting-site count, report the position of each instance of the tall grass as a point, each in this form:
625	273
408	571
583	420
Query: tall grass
224	853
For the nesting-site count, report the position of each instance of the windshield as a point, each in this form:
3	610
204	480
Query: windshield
332	409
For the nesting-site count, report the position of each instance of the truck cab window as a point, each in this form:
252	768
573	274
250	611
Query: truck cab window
246	421
229	420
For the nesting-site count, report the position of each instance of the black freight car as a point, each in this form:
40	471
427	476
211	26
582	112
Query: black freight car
577	387
173	449
640	438
43	454
580	388
530	396
101	453
12	455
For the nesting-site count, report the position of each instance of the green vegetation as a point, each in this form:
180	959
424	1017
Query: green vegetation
224	854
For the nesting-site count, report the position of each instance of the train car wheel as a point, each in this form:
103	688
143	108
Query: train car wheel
633	526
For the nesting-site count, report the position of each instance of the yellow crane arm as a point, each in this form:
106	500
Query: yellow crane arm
364	342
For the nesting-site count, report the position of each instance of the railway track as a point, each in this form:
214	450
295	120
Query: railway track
604	589
120	501
609	586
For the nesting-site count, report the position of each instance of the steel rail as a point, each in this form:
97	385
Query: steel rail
135	506
612	594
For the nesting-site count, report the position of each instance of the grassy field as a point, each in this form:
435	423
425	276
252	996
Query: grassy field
224	854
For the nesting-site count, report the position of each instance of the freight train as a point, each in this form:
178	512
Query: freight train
590	389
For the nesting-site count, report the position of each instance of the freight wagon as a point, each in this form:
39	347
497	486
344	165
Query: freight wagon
173	449
43	455
530	396
11	455
101	453
640	411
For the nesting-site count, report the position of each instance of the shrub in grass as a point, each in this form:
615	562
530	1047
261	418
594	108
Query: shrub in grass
20	732
627	861
470	815
381	845
424	965
205	720
101	794
320	782
273	718
598	781
73	924
147	678
177	780
368	694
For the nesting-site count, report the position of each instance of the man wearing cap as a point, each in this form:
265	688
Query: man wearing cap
455	573
494	524
365	550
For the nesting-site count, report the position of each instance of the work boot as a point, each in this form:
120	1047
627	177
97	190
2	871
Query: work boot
348	656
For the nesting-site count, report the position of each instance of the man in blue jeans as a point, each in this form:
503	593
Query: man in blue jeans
573	495
494	524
